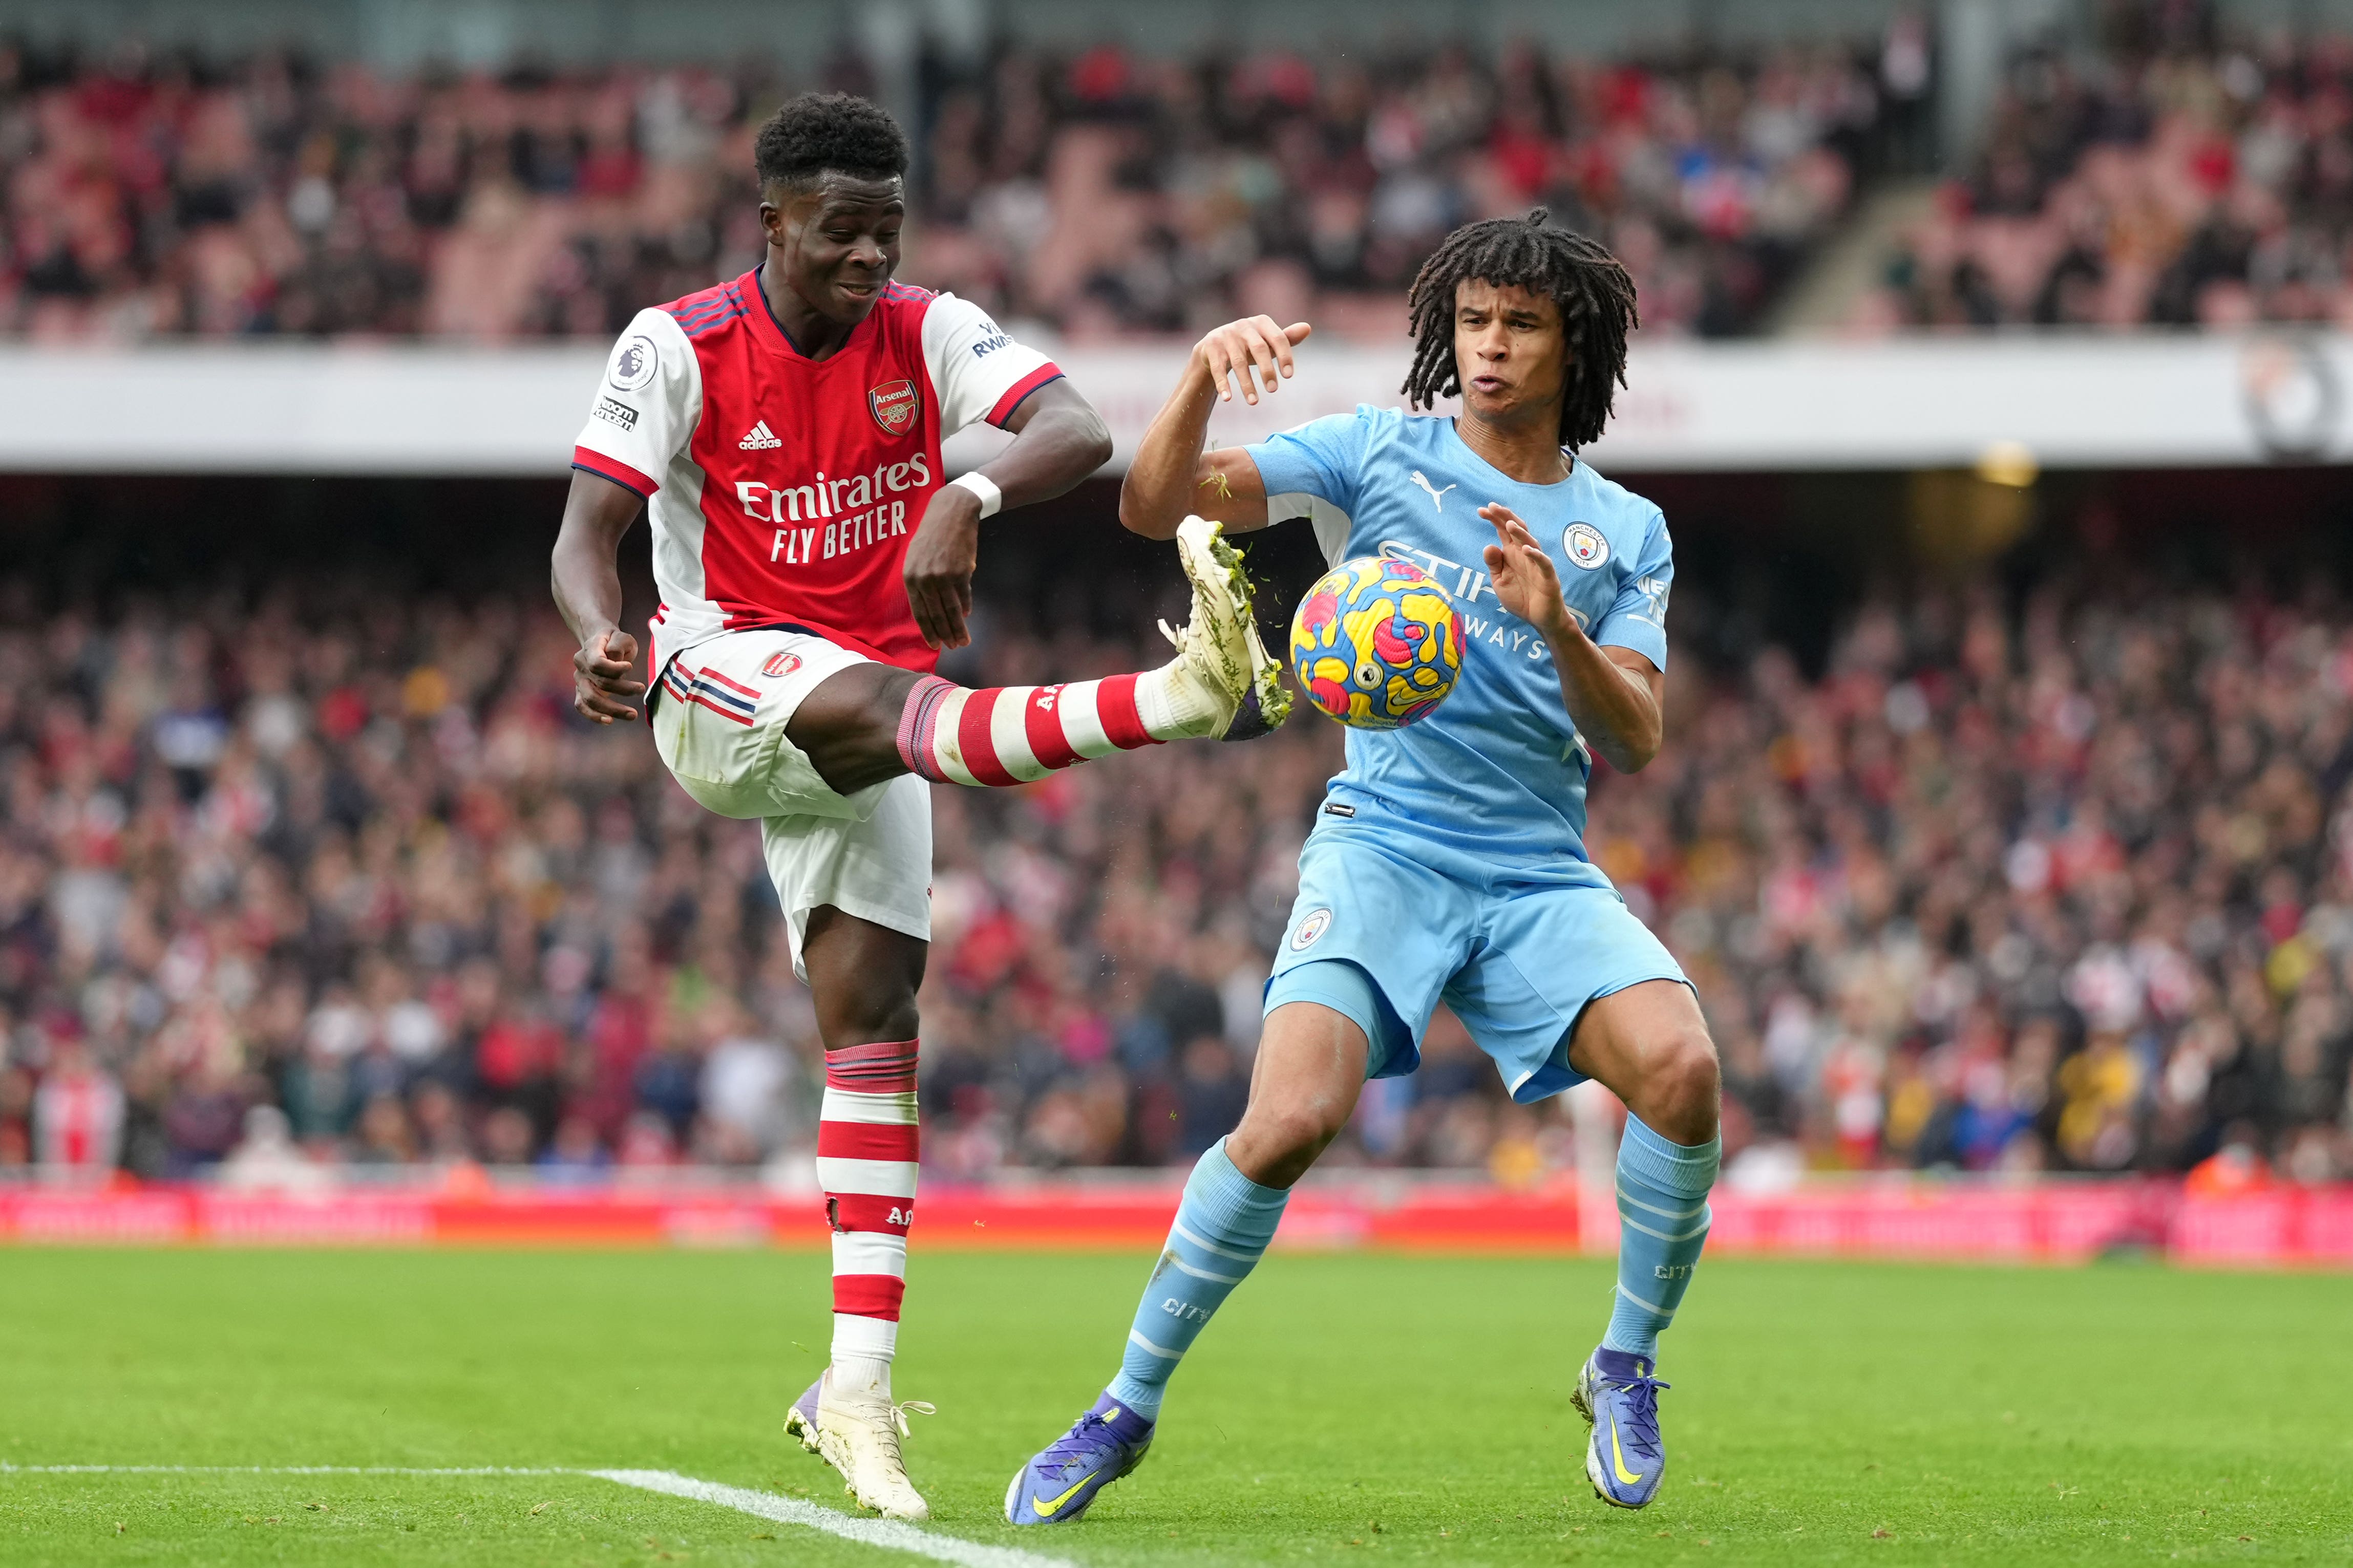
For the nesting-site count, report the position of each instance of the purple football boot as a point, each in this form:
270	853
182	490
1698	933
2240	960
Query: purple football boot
1062	1483
1620	1394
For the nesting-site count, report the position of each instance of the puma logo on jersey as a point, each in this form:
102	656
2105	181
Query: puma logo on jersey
758	438
1437	497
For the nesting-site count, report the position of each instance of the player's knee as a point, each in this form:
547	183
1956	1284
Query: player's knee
886	704
1310	1129
848	726
862	978
880	1009
1685	1083
857	1003
1288	1139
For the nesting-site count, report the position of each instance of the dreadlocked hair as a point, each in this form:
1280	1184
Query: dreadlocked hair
1595	294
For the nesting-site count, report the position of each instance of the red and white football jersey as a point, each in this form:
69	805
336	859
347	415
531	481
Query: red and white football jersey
783	490
77	1119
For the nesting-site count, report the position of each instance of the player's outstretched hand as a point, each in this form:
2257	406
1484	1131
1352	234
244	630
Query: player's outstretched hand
1238	349
1525	581
602	685
938	573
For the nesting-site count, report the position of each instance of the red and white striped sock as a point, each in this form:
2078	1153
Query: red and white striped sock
999	735
866	1162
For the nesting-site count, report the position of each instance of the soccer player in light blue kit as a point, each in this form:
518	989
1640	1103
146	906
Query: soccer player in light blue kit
1448	861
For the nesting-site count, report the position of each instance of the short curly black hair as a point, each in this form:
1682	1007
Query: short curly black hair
820	132
1592	288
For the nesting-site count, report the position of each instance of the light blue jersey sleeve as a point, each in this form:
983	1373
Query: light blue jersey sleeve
1637	620
1315	470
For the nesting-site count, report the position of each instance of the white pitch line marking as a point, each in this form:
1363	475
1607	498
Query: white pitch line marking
889	1534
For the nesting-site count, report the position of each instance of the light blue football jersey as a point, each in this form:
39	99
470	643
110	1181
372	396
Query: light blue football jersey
1497	769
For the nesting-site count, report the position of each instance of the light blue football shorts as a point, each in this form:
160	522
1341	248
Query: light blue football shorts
1384	929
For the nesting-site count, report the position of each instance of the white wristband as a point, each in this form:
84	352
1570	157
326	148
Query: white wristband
984	491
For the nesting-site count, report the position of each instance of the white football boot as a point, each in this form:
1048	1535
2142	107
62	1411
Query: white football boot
860	1437
1221	683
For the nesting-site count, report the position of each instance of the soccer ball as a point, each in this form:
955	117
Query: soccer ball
1375	644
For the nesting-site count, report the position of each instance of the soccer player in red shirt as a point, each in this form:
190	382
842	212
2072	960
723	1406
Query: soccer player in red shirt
783	432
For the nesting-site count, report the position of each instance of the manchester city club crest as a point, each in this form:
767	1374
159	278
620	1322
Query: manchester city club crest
1585	546
894	404
1310	930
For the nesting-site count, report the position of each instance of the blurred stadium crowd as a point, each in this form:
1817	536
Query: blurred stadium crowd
339	879
2177	174
1102	192
2205	186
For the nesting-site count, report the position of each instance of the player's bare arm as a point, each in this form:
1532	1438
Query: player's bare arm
588	586
1172	477
1613	693
1058	440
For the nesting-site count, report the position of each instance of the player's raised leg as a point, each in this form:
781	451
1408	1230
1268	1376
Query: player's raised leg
862	978
1649	1044
1310	1069
873	722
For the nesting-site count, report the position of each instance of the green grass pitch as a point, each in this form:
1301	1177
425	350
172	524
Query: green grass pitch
1343	1408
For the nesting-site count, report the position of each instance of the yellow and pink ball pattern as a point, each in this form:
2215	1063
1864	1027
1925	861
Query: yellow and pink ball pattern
1376	643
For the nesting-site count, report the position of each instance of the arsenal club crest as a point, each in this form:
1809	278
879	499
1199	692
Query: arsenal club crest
894	404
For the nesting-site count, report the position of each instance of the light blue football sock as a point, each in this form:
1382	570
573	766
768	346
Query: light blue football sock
1221	1230
1662	1223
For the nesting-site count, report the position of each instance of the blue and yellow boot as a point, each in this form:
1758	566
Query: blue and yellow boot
1062	1483
1626	1457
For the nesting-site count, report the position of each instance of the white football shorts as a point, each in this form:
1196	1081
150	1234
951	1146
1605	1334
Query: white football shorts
720	729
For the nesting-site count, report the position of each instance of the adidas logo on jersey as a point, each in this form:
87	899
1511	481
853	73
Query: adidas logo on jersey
759	438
